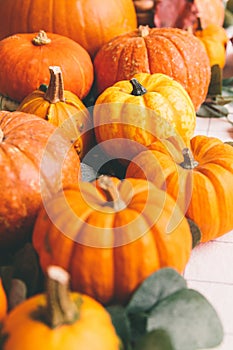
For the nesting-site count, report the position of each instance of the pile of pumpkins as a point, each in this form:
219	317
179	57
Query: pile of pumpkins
145	84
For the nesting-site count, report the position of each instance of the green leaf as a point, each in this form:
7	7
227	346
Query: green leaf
212	110
155	288
190	320
155	340
121	323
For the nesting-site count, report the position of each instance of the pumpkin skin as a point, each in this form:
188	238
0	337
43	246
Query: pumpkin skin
89	325
214	39
165	109
109	246
3	302
36	160
25	59
205	192
91	23
170	51
62	108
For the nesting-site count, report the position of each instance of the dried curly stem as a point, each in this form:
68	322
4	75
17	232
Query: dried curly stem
41	39
106	183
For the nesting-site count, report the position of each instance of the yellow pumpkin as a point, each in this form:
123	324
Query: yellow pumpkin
59	319
135	112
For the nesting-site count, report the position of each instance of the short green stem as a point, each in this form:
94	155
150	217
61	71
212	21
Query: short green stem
138	89
189	161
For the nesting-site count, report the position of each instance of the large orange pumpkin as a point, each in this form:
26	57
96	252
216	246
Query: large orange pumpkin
110	235
170	51
91	23
199	179
59	320
25	59
36	161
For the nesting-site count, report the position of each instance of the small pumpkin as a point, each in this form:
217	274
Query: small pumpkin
135	112
110	235
170	51
3	302
199	178
61	108
25	58
214	38
90	23
59	319
36	161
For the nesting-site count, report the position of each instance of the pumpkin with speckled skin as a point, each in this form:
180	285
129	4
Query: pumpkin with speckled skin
170	51
125	118
36	160
199	179
25	59
110	235
91	23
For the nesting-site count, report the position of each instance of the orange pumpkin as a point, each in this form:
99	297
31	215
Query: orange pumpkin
132	113
214	38
3	302
25	59
62	108
59	319
36	161
110	235
91	23
170	51
199	179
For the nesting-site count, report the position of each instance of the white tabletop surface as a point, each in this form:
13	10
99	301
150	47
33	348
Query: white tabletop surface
210	268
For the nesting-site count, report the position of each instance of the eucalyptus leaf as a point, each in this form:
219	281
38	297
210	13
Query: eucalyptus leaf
190	320
195	231
155	288
212	110
121	323
158	339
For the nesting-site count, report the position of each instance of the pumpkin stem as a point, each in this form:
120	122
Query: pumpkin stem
199	26
138	89
61	309
41	39
1	135
143	30
55	91
106	183
189	161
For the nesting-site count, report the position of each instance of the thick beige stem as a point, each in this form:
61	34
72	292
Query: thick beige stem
55	91
41	39
106	183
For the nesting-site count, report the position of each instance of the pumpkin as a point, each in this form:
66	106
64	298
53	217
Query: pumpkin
135	112
214	38
215	13
91	23
59	319
110	235
36	160
199	178
3	302
25	59
170	51
61	108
